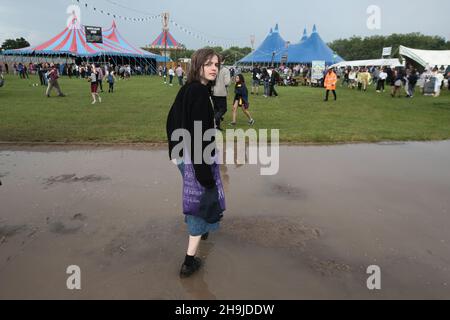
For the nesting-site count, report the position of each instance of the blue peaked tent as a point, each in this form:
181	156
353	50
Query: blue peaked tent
304	37
273	43
313	48
307	50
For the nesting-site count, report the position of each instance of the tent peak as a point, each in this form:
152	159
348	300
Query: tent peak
305	35
74	23
276	27
314	29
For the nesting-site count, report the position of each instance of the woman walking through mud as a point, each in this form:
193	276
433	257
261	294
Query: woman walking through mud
203	196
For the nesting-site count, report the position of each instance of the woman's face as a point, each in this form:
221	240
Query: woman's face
210	69
238	79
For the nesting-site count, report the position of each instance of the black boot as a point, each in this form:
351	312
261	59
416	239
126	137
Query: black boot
190	266
205	236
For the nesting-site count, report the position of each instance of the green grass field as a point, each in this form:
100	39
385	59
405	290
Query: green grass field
137	112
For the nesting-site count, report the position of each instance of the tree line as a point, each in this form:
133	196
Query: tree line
231	55
354	48
19	43
358	48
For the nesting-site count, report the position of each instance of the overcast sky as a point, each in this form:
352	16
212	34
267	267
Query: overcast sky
225	22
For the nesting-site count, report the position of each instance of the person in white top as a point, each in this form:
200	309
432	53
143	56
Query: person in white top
352	78
220	93
171	75
128	71
381	80
93	79
439	79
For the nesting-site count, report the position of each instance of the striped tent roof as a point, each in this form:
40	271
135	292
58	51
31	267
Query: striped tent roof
166	40
72	41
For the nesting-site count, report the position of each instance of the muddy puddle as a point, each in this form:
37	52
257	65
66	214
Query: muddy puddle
311	231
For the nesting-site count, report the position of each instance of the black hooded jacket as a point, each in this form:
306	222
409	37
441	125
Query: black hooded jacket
193	103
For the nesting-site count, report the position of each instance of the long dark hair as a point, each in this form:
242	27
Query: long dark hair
198	59
241	79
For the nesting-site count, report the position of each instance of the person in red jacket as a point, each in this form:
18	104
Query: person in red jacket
330	83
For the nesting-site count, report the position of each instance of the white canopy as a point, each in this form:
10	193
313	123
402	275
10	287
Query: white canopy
366	63
427	58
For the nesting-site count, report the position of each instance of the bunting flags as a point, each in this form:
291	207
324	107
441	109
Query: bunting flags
116	16
186	30
203	38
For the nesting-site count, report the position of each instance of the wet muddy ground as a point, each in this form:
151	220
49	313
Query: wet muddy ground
309	232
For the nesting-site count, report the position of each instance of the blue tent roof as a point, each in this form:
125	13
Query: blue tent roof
305	36
306	51
263	54
314	48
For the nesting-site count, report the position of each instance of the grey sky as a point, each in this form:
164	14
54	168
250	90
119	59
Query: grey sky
228	21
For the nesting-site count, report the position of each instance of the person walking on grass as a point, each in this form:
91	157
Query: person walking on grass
164	73
180	74
171	75
352	76
381	80
265	77
220	93
398	82
330	83
52	78
111	80
203	194
256	80
412	82
346	79
100	76
439	78
274	80
241	100
93	79
365	78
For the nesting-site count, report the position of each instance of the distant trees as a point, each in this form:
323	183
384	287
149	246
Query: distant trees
19	43
234	54
231	55
357	48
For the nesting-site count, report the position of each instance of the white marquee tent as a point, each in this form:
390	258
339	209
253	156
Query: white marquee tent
427	58
367	63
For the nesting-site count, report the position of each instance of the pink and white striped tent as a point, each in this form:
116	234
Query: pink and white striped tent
166	40
72	41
